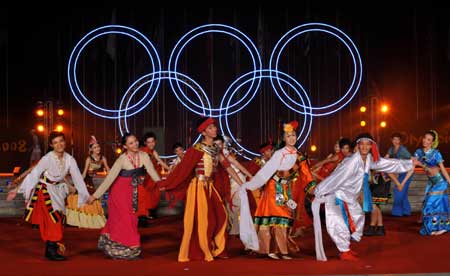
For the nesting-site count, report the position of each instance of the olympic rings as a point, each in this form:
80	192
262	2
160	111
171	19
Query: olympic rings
203	106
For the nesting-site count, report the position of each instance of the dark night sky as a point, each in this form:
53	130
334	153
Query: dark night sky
405	52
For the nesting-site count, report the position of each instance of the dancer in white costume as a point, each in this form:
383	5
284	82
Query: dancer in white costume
340	192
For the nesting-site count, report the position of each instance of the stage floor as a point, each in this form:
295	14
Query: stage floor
402	250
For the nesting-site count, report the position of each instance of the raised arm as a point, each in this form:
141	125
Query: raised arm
392	165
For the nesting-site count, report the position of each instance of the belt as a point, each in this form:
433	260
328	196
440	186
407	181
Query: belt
203	177
280	180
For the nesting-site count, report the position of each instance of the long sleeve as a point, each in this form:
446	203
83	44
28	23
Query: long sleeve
32	179
392	165
344	172
183	170
112	175
78	181
265	173
149	167
247	232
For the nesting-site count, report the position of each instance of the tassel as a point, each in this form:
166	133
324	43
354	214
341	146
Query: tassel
375	152
367	203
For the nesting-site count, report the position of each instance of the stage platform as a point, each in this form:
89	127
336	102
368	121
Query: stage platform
402	250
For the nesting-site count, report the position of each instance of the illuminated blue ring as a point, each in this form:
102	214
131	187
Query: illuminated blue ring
268	74
310	27
157	76
181	44
73	61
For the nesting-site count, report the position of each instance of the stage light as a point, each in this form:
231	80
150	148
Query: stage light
363	123
383	124
60	112
384	108
59	128
40	112
118	150
40	128
363	109
313	148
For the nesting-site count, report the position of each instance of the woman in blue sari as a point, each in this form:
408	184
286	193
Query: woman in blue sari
435	212
401	206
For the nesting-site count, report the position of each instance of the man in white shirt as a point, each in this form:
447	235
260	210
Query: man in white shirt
44	191
340	192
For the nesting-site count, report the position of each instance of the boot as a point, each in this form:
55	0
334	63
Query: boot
143	222
370	231
51	252
348	256
380	231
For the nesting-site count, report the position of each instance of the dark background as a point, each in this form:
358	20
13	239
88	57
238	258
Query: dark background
405	51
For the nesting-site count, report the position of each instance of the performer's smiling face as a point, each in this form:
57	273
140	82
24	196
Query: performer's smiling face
210	131
132	144
364	146
96	148
290	138
59	144
427	140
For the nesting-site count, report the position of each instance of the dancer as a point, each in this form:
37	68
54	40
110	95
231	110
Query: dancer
92	215
45	191
120	238
205	216
435	212
380	185
340	192
149	194
401	206
269	234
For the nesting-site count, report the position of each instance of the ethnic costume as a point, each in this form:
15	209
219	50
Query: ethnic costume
91	215
274	215
340	192
205	216
120	238
401	206
435	211
45	191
